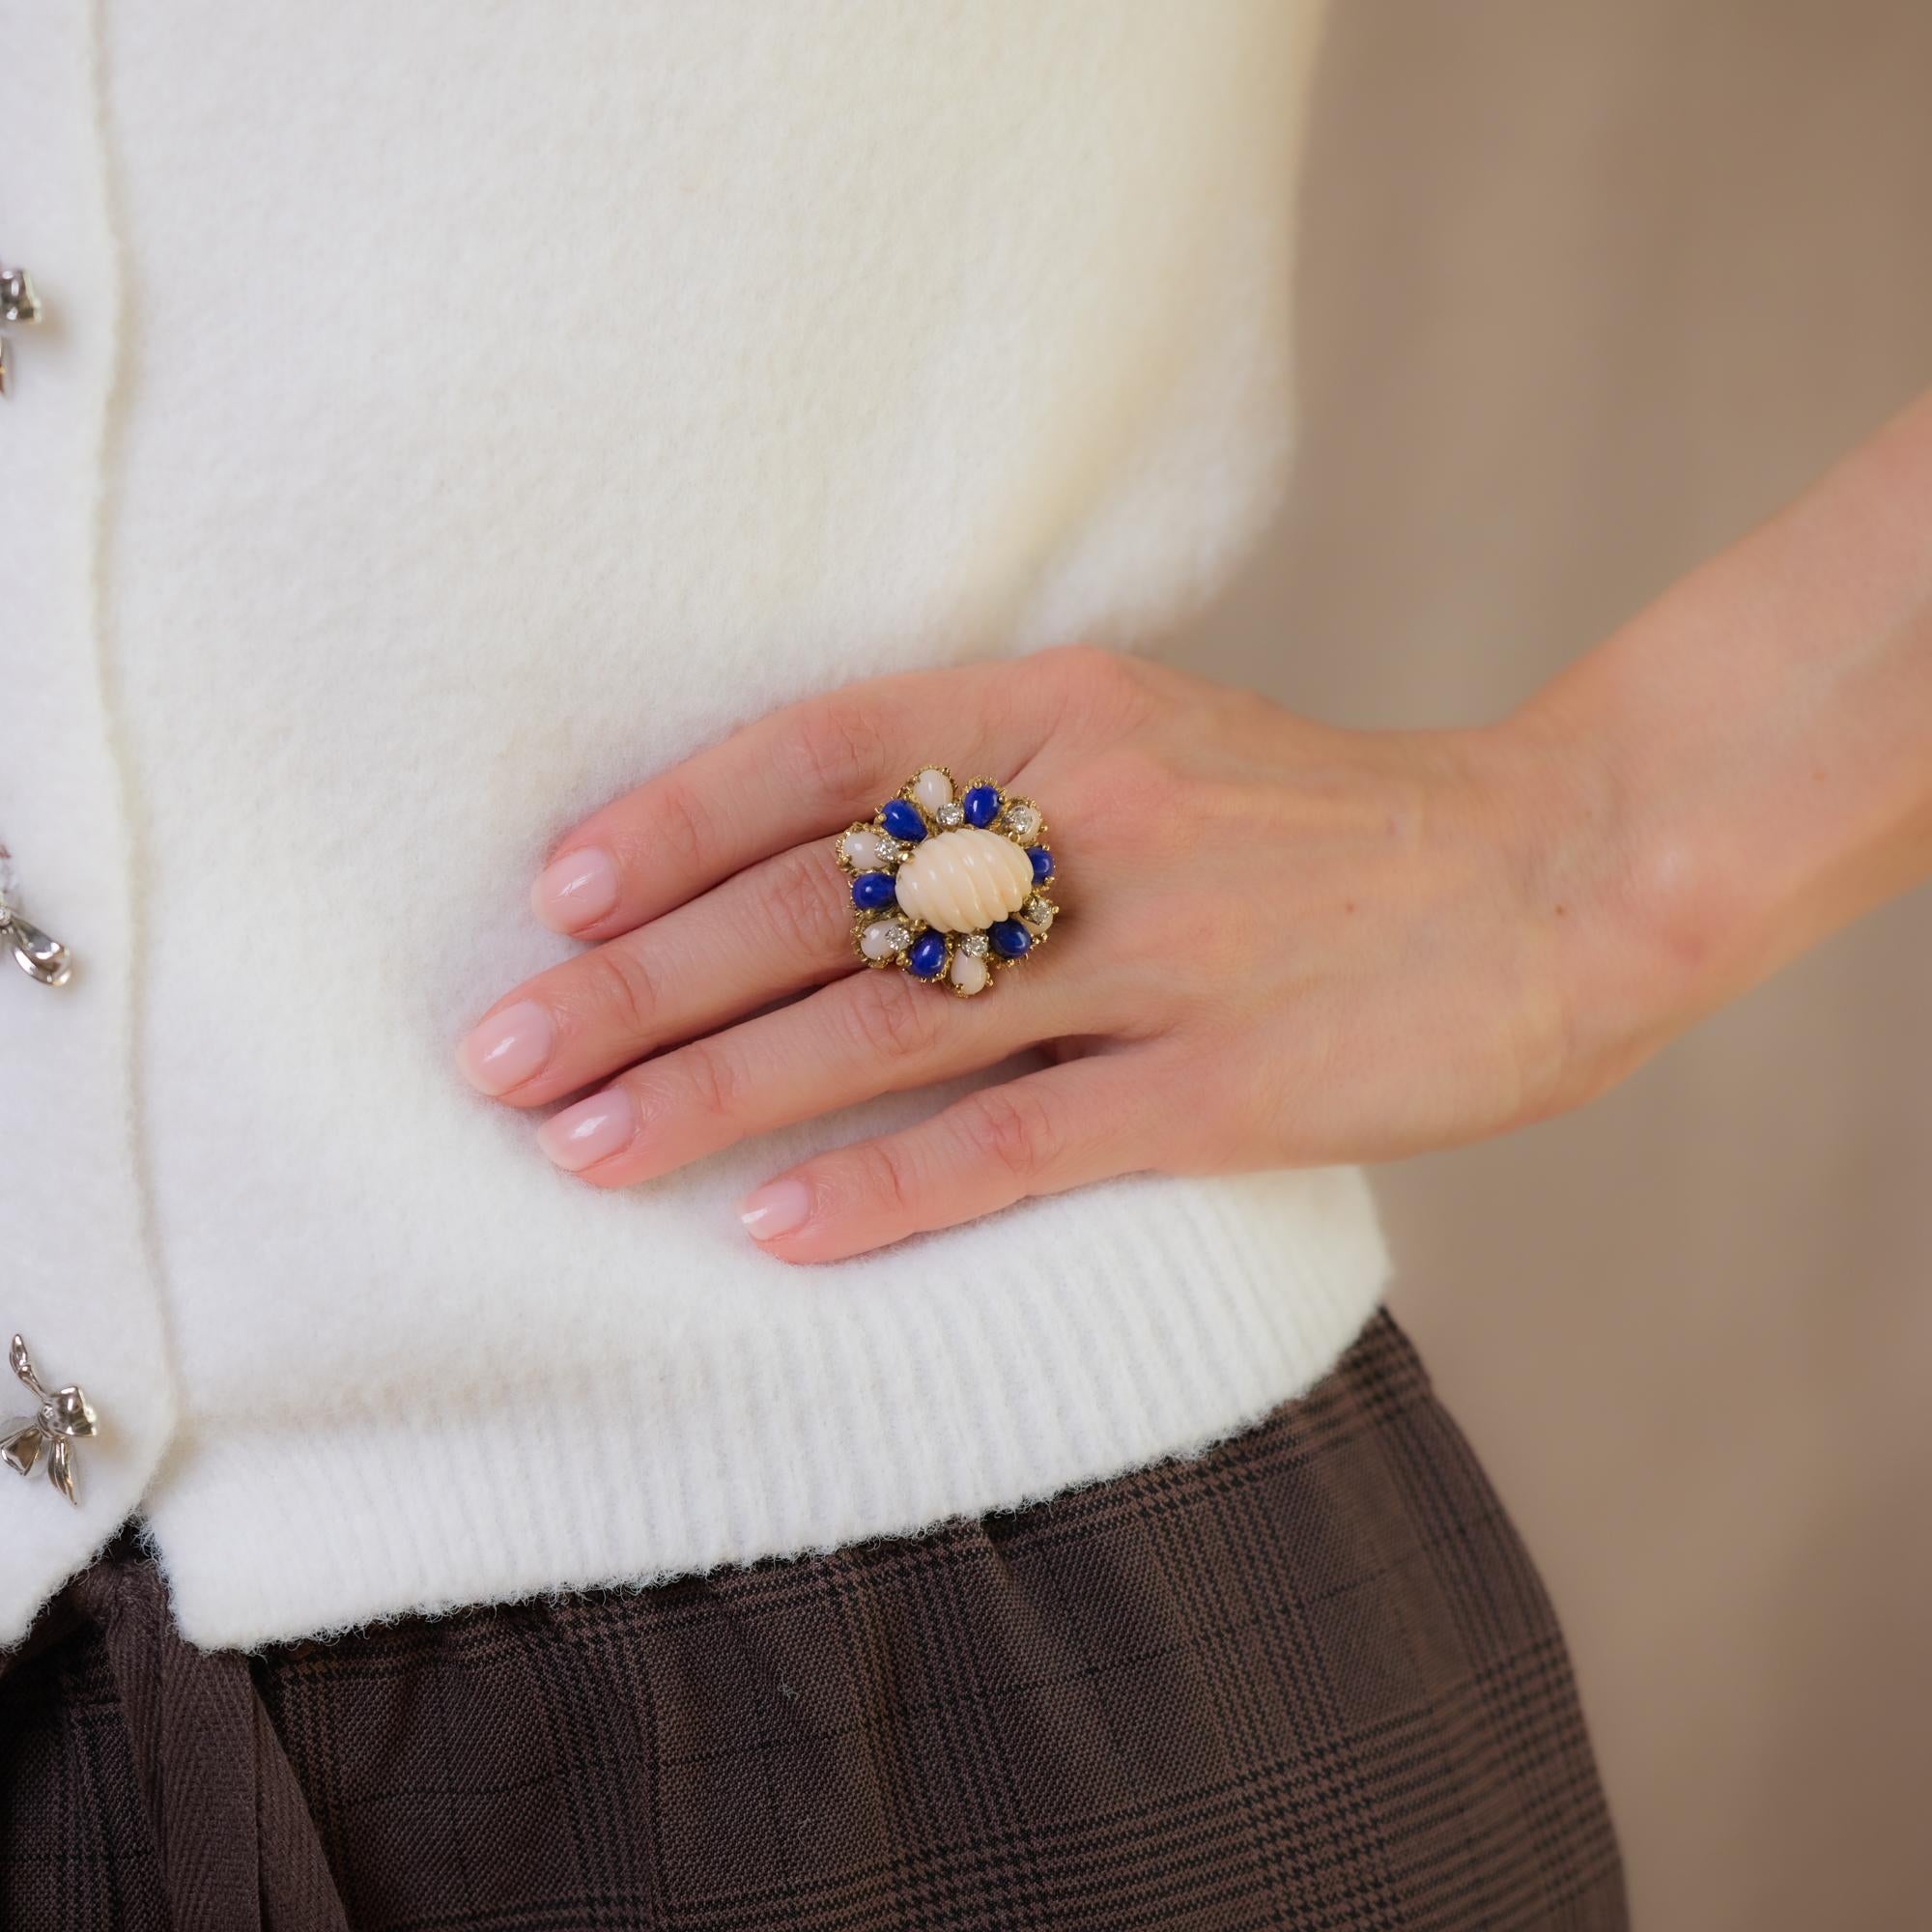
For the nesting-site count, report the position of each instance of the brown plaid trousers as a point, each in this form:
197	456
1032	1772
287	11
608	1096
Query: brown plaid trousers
1308	1679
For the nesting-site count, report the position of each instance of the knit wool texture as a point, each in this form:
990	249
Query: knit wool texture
457	415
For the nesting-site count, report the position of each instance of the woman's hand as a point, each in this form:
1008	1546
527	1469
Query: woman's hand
1282	944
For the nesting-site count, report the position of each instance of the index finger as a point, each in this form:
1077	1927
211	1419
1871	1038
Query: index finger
806	769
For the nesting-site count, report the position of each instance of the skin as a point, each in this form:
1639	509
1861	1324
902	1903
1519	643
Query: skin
1283	943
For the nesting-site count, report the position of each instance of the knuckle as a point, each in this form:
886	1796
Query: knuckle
888	1014
804	908
622	990
1084	665
711	1079
841	751
681	825
1101	683
878	1178
1010	1130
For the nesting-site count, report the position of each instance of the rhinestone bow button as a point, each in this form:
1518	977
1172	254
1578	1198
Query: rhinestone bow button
64	1418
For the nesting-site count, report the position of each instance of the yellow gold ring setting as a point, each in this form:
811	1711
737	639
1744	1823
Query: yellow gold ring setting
949	885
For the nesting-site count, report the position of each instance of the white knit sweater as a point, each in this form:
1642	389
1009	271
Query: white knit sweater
448	417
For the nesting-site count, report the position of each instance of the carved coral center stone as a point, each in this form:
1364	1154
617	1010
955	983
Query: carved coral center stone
962	881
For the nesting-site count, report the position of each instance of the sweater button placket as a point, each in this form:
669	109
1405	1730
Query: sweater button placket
36	953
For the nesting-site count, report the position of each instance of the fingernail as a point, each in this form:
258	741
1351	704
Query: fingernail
577	889
590	1130
779	1209
504	1050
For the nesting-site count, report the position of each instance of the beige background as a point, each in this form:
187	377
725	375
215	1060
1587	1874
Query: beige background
1589	286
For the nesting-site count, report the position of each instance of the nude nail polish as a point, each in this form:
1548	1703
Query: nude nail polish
590	1130
576	890
780	1208
504	1050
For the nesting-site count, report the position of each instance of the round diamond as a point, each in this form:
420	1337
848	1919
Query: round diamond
1037	912
951	816
976	946
1023	823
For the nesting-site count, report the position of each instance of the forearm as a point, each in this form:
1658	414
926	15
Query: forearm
1747	765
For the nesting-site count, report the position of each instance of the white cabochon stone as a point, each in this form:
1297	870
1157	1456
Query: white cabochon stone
862	849
933	788
969	973
882	938
960	881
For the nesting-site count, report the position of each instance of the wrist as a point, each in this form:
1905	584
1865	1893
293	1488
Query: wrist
1631	927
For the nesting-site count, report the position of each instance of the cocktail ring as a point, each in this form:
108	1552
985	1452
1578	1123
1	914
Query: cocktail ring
950	887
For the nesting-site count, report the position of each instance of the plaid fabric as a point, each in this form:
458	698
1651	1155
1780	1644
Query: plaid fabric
1308	1679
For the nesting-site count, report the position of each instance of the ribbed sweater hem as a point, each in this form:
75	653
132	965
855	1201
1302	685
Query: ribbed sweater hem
791	1433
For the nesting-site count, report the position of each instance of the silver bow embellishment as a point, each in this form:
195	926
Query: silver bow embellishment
19	302
64	1419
